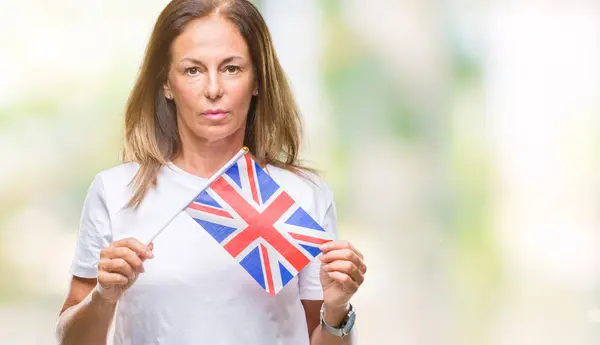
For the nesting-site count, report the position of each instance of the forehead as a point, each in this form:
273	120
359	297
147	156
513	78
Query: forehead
209	37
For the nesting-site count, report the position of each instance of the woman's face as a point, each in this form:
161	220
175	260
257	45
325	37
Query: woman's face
211	79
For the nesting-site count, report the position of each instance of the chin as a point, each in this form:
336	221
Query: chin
216	133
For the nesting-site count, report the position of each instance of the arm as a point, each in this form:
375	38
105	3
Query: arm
102	272
85	316
341	274
91	303
318	336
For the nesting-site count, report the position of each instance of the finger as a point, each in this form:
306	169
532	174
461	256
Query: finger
106	278
346	267
345	254
342	254
135	245
118	266
151	253
126	254
348	284
336	245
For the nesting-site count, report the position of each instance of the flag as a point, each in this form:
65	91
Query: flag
266	231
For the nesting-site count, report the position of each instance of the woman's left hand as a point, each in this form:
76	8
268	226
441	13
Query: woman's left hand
342	273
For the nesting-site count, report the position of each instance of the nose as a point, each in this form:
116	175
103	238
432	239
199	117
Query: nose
214	87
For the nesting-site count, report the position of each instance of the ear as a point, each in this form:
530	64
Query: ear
167	90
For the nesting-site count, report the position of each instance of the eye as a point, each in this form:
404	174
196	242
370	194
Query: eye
232	69
193	71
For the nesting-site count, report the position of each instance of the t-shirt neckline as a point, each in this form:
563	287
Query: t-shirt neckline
177	169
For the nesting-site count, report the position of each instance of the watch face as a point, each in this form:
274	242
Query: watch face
349	323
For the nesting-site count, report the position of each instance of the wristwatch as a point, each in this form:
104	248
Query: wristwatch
346	326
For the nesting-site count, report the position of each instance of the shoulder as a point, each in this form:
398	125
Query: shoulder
304	181
307	188
115	184
118	175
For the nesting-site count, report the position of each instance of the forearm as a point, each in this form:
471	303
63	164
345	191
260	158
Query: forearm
321	337
333	317
87	322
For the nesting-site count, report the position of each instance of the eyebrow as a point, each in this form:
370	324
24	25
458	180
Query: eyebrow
198	62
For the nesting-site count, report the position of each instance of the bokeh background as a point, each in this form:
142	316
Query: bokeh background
461	139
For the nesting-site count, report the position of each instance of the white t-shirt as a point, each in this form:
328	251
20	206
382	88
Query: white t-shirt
193	291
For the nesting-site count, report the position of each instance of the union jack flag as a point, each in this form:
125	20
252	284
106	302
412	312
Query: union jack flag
259	224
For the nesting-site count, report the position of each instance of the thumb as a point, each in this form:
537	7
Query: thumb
149	254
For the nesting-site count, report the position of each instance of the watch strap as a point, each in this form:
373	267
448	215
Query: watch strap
343	330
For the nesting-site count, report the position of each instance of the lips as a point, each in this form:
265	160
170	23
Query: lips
215	114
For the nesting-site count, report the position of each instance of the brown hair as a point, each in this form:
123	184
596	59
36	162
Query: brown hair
151	138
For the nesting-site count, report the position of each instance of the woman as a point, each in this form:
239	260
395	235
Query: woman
209	84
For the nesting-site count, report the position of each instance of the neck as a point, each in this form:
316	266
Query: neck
204	158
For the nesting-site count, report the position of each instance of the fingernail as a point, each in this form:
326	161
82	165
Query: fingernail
149	254
326	267
142	269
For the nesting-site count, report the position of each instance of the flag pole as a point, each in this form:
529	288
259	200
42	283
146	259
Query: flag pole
213	178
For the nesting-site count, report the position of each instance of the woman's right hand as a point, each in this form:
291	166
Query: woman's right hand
119	267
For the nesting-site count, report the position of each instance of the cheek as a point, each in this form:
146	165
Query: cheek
188	93
240	96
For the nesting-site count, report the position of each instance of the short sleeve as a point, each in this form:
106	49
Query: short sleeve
94	232
309	277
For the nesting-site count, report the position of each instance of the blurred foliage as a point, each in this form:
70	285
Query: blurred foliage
366	100
369	101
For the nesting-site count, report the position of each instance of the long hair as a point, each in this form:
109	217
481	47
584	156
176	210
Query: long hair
273	129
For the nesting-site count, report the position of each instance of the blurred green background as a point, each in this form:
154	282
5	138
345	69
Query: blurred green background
460	139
